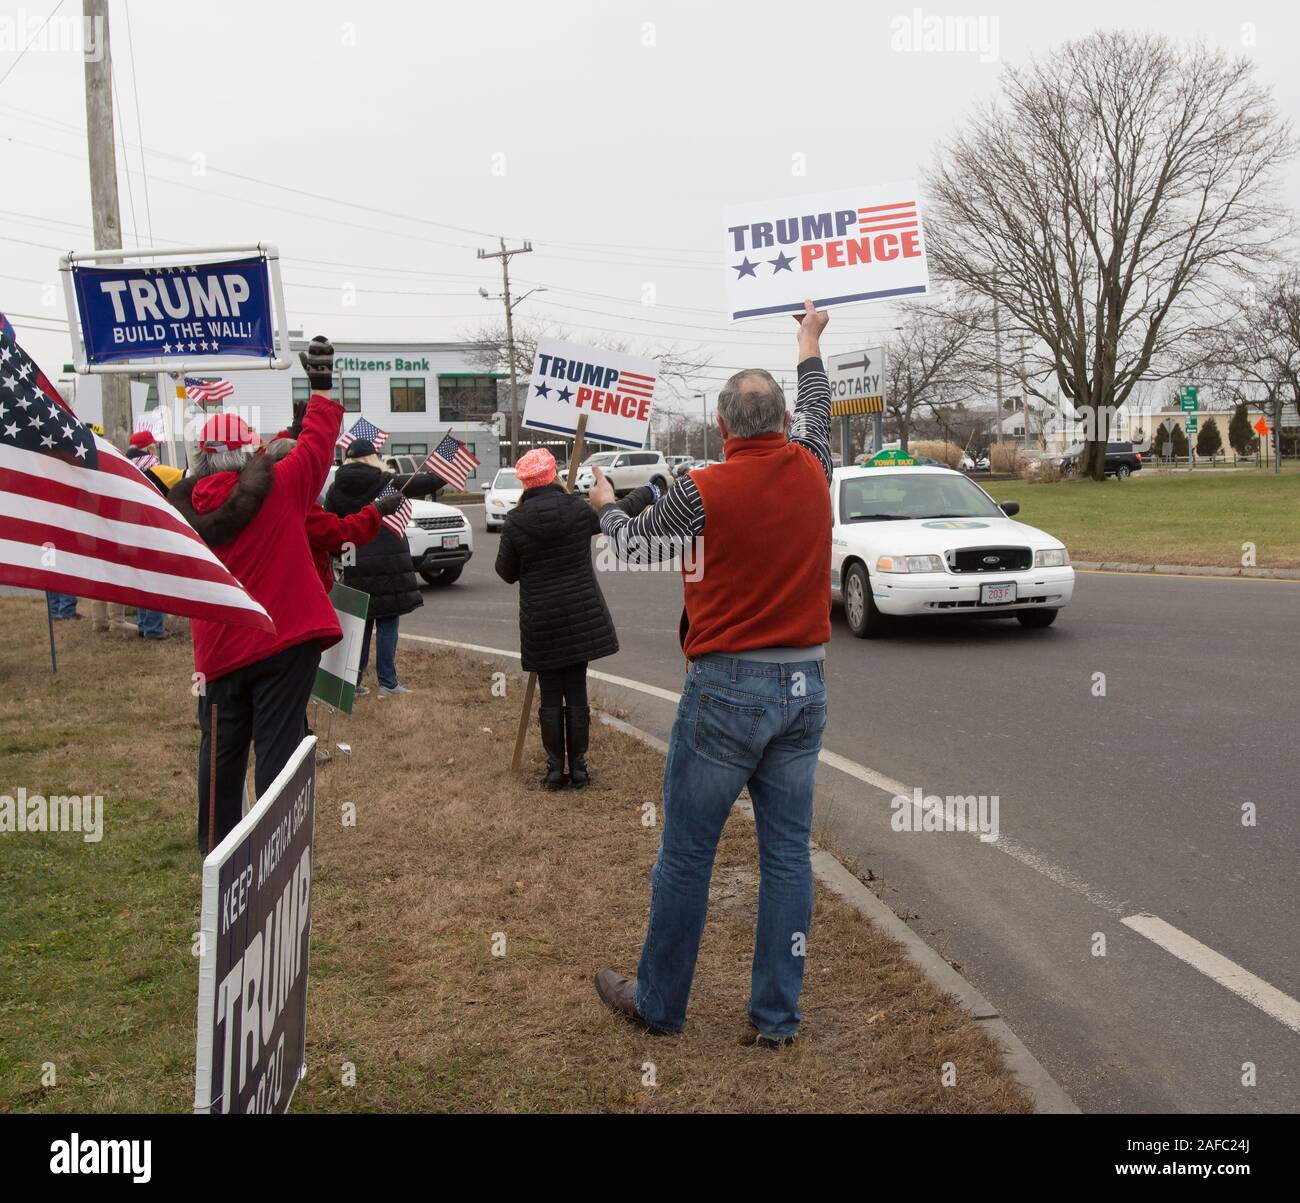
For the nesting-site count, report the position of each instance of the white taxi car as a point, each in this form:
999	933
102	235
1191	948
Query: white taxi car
500	495
927	540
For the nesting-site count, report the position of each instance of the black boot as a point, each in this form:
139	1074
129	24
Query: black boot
578	724
551	719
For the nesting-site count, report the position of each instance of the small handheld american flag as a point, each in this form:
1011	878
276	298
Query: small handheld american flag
396	522
207	392
145	462
451	460
361	429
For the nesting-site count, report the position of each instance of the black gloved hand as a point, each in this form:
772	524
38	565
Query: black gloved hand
389	505
299	412
318	361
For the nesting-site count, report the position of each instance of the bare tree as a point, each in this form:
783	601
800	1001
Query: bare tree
934	362
1107	201
1255	356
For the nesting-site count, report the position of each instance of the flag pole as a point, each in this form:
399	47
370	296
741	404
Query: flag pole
49	618
420	469
212	776
526	713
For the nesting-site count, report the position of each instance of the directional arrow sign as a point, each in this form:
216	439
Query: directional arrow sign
857	382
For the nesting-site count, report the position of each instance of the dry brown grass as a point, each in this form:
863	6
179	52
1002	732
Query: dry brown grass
448	849
945	451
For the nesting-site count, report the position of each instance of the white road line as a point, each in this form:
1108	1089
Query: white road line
1228	974
1213	965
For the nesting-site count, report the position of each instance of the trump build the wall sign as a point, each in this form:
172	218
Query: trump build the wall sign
863	244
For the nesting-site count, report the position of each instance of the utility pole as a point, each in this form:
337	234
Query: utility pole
997	361
504	255
704	402
105	218
1024	396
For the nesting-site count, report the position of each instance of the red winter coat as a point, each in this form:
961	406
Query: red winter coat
255	521
327	533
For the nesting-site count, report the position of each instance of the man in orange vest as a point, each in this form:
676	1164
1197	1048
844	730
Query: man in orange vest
754	629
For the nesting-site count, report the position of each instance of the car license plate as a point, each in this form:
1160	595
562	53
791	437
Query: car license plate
997	595
453	541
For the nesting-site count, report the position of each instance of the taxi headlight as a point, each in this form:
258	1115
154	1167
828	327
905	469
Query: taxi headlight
909	564
1051	557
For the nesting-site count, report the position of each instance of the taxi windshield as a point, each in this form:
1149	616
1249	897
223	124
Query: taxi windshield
900	496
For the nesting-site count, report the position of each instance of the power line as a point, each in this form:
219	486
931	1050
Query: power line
22	53
139	126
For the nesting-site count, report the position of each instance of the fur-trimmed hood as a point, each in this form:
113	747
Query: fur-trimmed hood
220	506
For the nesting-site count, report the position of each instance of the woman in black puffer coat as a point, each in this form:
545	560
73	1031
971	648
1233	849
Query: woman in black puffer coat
384	568
563	620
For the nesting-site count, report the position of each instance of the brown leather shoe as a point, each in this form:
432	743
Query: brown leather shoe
618	993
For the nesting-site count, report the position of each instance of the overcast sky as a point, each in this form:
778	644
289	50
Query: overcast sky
610	134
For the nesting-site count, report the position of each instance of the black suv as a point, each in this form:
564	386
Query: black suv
1121	460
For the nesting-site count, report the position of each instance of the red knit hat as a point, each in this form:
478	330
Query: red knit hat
143	439
226	432
535	468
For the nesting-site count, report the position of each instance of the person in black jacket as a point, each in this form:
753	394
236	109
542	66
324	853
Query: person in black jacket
563	620
384	568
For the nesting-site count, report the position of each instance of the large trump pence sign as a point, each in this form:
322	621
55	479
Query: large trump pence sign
839	248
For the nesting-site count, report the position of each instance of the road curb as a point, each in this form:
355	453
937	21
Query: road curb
1049	1098
1262	574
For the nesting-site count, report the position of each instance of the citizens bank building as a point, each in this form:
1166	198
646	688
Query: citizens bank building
418	392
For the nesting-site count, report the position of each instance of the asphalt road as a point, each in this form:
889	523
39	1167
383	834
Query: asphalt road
1120	799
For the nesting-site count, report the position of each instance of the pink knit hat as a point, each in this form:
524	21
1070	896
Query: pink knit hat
536	468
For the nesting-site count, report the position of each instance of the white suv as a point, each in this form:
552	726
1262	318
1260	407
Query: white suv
440	537
625	470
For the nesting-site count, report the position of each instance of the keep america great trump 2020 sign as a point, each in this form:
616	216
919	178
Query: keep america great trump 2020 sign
254	936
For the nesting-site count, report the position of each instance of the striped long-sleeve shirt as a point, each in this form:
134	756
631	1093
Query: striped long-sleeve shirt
665	529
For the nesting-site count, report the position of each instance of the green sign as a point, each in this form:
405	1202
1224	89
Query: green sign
893	458
1192	424
1187	397
336	678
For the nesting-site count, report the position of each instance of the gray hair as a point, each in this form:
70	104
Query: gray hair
752	403
279	448
206	463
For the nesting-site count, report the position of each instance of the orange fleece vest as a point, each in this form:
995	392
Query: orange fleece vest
765	563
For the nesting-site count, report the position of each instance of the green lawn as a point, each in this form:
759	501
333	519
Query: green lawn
1191	518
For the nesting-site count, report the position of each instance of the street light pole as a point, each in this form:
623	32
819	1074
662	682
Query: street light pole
504	255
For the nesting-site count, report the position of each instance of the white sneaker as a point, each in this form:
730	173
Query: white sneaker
361	691
385	692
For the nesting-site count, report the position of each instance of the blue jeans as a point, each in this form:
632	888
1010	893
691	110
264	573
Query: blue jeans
149	622
739	723
385	651
61	605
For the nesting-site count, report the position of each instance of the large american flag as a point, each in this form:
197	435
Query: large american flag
397	522
451	460
361	429
77	517
207	392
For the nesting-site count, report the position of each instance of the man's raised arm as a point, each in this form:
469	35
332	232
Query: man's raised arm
811	424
